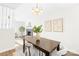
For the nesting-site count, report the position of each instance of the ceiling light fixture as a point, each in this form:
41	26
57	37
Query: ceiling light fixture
37	10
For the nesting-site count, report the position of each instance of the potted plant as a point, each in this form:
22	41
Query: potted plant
37	30
22	30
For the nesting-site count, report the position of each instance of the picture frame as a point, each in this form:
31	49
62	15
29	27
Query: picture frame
58	25
48	26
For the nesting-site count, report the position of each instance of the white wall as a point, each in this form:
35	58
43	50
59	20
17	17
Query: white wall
70	13
24	13
7	41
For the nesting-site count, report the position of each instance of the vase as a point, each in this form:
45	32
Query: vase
38	36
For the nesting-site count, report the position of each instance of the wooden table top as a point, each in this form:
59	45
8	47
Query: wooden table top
46	44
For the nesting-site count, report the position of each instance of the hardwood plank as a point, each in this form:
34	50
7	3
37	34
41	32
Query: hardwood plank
8	53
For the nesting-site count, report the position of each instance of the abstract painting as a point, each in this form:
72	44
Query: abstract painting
58	25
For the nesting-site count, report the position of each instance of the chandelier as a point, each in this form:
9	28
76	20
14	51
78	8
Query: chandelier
37	10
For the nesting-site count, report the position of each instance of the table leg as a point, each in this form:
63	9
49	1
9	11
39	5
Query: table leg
23	45
58	47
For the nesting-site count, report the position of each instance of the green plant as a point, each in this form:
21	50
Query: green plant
22	29
37	29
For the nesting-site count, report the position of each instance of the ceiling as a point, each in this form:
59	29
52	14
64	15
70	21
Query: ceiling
11	5
15	5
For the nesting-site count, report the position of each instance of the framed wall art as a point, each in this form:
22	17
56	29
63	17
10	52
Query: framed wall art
48	26
58	25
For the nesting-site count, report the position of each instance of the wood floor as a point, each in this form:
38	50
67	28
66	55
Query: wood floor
11	52
71	54
18	51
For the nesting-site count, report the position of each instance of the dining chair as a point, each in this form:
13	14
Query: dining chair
61	52
28	48
37	52
19	42
33	51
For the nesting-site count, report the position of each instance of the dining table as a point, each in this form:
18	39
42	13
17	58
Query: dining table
45	45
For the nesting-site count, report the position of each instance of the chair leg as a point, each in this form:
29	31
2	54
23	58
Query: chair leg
26	52
39	52
29	51
42	53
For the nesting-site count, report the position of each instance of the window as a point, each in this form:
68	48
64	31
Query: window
6	18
